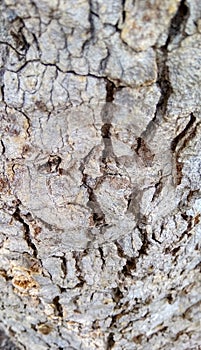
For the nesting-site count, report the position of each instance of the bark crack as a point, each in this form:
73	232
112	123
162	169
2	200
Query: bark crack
183	133
64	266
77	256
163	80
58	307
178	22
3	148
144	239
106	127
98	215
182	139
143	151
130	263
27	235
110	341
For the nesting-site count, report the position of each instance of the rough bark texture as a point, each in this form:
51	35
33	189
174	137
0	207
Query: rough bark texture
100	174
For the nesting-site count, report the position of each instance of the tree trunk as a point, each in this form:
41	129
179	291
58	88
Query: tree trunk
100	174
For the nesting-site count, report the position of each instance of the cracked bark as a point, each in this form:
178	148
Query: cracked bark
100	175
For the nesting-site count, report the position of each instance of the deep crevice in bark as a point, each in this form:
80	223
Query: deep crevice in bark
27	235
78	256
154	238
97	214
145	241
158	189
182	139
129	267
130	264
183	133
117	294
110	89
106	136
3	147
107	116
178	22
2	92
64	266
58	307
18	36
102	256
110	341
163	80
91	21
143	151
164	84
123	11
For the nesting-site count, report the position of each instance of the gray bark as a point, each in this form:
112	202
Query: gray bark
100	174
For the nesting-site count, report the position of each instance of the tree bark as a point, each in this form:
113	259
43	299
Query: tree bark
100	174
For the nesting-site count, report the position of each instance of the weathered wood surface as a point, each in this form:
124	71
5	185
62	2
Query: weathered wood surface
100	174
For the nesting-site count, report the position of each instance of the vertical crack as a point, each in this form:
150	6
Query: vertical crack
183	137
177	24
130	262
123	11
129	267
144	239
17	216
27	119
92	27
64	266
58	307
110	341
97	214
102	256
110	89
2	91
106	136
143	151
163	82
158	189
78	256
117	295
3	147
106	118
182	134
154	238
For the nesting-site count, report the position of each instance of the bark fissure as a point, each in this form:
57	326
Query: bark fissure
106	127
110	341
27	235
58	307
163	80
180	142
64	267
178	22
183	133
145	241
77	256
98	215
3	148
